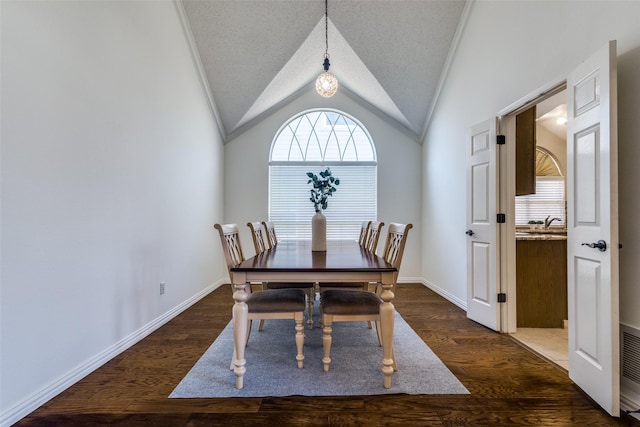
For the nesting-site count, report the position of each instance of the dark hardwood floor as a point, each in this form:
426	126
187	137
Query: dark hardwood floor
508	384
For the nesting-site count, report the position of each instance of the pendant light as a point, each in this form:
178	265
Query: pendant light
326	83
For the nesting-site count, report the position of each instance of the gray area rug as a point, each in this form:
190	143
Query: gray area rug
356	362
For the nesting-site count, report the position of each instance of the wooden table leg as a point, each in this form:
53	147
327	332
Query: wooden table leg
240	313
387	319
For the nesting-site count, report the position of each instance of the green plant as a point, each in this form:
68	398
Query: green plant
323	187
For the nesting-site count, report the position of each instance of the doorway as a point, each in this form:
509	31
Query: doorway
540	231
535	270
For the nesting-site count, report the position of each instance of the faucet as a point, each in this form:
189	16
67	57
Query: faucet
547	221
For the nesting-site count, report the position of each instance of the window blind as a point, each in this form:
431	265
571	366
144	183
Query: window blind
548	201
291	210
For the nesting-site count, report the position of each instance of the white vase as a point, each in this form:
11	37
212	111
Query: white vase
319	232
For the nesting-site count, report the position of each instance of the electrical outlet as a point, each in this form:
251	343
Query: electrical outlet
161	288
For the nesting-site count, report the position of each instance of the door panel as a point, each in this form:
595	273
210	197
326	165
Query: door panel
587	273
480	183
482	261
481	273
586	159
592	213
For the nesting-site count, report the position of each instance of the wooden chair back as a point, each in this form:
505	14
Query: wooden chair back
396	240
364	233
258	235
230	239
371	243
271	233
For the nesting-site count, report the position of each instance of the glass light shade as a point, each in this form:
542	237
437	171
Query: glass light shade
326	84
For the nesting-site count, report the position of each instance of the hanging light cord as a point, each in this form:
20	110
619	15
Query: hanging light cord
326	27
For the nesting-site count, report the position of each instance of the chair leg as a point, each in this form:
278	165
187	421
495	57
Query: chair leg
299	318
371	287
311	296
263	286
327	320
321	319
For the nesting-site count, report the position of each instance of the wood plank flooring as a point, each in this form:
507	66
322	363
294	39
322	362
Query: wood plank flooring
508	384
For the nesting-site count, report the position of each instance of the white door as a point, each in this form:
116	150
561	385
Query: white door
592	221
482	230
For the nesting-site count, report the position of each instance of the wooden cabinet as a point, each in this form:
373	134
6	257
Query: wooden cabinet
526	152
541	283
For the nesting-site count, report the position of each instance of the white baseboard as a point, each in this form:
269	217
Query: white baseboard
409	280
446	295
630	401
37	399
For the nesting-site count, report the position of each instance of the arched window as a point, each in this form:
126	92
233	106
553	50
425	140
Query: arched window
548	199
311	142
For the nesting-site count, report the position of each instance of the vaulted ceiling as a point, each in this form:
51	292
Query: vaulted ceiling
387	54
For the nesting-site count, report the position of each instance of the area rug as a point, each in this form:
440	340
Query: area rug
355	368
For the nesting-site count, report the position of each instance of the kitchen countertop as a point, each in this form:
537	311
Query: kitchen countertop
541	235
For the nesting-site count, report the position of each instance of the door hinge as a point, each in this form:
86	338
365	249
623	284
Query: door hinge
502	297
501	218
501	139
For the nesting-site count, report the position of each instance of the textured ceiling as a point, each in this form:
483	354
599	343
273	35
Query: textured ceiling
390	54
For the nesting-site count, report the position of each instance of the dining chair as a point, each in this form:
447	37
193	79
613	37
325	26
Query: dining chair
257	233
263	304
271	233
364	232
345	305
260	237
371	242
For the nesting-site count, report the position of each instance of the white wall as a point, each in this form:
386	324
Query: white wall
111	170
399	173
508	50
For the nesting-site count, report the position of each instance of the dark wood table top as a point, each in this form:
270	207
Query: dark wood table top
296	255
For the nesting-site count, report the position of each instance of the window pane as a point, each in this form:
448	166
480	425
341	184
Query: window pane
548	201
322	136
291	210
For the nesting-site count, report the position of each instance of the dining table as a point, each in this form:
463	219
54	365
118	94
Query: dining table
294	261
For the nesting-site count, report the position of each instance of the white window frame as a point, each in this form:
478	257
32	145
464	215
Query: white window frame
353	161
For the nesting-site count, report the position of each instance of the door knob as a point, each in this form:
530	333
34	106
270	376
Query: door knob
469	233
601	245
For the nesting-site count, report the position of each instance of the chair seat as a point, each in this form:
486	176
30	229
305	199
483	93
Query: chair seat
288	285
347	302
276	301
